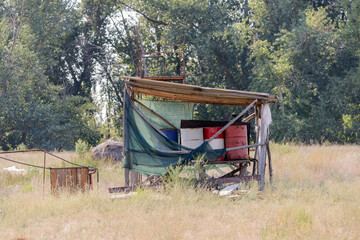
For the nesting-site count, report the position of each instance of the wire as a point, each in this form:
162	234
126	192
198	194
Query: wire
23	163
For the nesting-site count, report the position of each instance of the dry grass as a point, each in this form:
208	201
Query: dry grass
315	195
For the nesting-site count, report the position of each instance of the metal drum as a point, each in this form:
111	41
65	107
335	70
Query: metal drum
191	137
218	142
71	178
236	136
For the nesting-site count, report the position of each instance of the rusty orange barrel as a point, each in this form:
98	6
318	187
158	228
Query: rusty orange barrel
236	136
218	142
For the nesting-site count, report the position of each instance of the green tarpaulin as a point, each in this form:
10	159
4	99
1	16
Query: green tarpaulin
148	151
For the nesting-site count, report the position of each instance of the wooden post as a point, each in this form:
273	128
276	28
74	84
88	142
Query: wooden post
127	175
134	178
257	130
127	171
263	135
269	156
270	164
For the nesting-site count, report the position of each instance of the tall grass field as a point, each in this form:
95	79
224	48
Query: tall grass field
315	195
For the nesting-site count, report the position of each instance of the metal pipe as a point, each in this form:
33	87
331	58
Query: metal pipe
44	172
232	121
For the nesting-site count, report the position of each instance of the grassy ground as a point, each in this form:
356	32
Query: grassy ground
315	195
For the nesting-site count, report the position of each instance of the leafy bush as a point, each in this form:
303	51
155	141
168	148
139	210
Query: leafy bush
81	147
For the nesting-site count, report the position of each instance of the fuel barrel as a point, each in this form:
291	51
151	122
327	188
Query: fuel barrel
218	142
191	137
236	136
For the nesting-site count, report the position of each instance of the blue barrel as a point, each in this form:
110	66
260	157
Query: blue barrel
171	134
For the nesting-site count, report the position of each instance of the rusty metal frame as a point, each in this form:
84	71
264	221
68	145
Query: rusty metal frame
92	170
141	55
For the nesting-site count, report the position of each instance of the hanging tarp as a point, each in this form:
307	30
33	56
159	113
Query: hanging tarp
172	111
149	152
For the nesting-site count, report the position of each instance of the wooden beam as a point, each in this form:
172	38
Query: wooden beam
146	120
192	98
270	164
248	118
198	88
126	170
262	150
166	78
198	92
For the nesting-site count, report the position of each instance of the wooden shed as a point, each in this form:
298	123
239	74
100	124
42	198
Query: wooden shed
259	102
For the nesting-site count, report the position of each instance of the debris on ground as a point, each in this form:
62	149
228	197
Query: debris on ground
14	169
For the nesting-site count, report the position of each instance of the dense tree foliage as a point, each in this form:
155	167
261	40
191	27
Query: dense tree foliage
61	62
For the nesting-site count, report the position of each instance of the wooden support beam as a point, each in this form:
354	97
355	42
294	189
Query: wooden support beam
270	164
127	177
248	118
193	98
227	92
263	135
126	170
145	119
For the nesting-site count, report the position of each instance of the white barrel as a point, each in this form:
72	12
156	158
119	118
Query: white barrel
191	137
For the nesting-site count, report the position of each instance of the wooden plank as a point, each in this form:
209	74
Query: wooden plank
200	96
192	98
166	78
206	123
169	91
248	118
196	88
197	92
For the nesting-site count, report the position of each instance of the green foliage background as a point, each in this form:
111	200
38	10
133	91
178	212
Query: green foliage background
61	62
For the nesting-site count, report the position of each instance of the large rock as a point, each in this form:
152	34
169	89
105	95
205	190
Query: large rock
109	150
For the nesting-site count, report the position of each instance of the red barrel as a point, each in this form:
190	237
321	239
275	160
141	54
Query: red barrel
218	142
236	136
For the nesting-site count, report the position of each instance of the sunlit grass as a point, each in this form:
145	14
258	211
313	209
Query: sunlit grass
315	195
